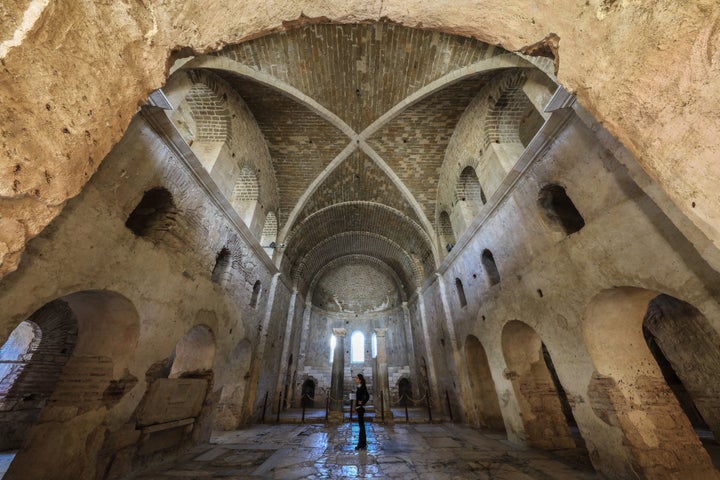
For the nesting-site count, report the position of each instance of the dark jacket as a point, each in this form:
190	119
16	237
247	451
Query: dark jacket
361	395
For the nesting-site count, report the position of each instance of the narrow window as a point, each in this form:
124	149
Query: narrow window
222	266
447	237
488	262
460	292
357	347
559	210
373	345
257	288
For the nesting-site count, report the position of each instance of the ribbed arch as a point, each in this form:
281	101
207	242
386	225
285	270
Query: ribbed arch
408	269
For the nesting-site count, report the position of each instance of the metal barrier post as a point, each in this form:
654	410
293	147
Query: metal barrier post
429	408
277	420
382	407
264	408
407	418
447	398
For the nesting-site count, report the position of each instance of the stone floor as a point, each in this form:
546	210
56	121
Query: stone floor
403	451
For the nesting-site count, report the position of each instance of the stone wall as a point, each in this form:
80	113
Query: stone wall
128	283
548	278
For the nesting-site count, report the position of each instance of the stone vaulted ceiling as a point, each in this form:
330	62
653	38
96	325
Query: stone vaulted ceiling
357	119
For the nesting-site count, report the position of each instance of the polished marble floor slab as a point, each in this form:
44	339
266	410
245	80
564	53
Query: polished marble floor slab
403	451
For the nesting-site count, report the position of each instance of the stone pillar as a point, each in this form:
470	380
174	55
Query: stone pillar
382	380
337	381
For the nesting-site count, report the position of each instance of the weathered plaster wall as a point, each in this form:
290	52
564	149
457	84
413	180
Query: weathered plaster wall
88	248
548	280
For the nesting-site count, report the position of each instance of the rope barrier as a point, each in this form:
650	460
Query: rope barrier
408	397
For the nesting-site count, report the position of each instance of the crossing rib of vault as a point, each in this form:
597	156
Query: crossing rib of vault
243	67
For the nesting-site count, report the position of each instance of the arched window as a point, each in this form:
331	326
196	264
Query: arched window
257	288
373	345
468	189
269	233
357	347
245	195
559	210
222	266
488	262
447	237
333	342
460	292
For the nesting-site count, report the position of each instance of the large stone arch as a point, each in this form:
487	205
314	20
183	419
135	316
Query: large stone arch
135	48
482	386
629	394
538	397
93	380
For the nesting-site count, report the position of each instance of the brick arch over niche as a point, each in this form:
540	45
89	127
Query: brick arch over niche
356	283
94	379
628	378
31	363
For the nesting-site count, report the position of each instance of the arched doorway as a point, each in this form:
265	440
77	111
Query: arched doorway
405	392
485	405
540	401
31	363
93	333
628	390
308	394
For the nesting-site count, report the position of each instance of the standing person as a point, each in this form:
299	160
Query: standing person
361	397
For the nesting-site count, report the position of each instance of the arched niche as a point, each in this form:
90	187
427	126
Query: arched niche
93	379
445	229
195	352
486	407
154	215
541	409
460	292
558	209
245	195
233	378
31	363
687	349
629	393
488	262
223	265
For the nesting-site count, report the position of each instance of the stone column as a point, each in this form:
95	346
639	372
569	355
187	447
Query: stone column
337	381
382	380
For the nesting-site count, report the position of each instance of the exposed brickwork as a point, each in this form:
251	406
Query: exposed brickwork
221	109
358	179
342	66
692	346
301	145
414	143
247	186
358	217
357	284
408	268
29	384
269	233
663	444
545	424
498	114
210	113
